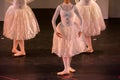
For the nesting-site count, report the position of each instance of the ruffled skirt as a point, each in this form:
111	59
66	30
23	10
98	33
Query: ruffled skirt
70	44
92	19
20	24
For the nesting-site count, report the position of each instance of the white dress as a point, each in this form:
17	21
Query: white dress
70	44
20	22
92	19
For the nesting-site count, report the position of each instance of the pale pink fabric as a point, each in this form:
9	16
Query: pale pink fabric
20	22
92	19
70	44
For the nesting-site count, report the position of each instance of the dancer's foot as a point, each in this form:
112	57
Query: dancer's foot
71	69
15	51
19	54
90	50
63	73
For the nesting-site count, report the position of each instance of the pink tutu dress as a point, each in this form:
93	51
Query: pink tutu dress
70	44
20	22
92	19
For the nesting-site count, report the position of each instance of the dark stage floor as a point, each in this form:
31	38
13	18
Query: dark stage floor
40	64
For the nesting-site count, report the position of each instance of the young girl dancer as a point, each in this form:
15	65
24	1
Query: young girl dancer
67	41
93	22
20	24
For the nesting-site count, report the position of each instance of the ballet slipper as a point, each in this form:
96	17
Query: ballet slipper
14	51
90	50
19	54
63	73
71	69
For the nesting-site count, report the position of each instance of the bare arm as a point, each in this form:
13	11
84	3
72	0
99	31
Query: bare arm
95	0
55	16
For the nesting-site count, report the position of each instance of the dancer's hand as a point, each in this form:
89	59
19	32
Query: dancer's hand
79	34
59	34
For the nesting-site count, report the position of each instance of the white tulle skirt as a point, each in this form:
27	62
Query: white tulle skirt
70	44
20	24
92	19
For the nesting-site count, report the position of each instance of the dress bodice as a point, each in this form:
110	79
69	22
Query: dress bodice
84	2
19	3
67	15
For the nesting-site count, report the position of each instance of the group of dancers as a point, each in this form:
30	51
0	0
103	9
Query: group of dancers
72	35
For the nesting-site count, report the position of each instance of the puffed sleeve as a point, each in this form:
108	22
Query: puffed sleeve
10	1
29	1
78	14
55	16
76	1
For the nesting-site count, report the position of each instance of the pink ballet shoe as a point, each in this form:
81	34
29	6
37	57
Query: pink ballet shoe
19	54
63	73
72	70
14	51
90	50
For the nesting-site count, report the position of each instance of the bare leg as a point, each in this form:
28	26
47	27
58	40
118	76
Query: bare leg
70	68
15	45
89	44
22	49
66	66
